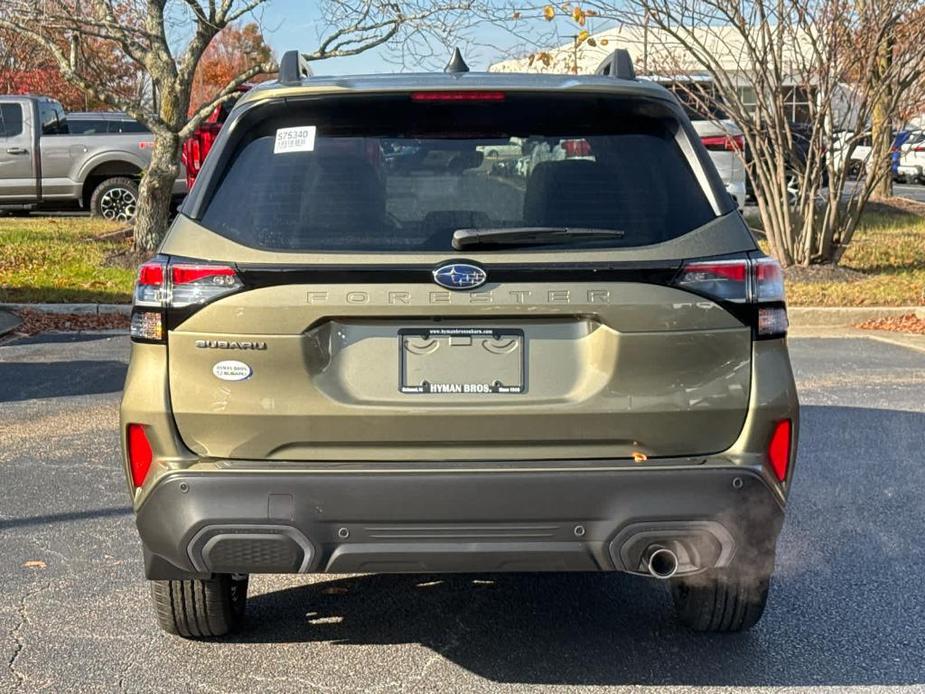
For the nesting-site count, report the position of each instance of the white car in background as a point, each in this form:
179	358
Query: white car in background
725	143
722	138
859	155
502	149
911	166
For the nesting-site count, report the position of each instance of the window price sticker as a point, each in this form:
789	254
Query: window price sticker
301	139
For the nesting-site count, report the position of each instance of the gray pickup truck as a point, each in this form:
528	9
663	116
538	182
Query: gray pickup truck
45	164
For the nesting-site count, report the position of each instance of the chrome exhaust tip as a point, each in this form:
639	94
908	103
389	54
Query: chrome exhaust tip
661	562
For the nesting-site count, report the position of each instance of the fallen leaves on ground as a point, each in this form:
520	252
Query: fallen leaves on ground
35	322
899	324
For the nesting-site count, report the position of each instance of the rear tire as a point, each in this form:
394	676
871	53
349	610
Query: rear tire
721	600
200	608
115	199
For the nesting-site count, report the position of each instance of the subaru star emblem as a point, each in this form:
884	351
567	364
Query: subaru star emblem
459	276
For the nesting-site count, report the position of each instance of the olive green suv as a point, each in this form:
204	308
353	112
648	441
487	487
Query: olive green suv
458	322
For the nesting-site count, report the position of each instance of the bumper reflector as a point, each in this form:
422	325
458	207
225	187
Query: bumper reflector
139	453
779	449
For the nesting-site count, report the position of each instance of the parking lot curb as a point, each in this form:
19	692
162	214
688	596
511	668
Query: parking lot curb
845	316
8	322
78	309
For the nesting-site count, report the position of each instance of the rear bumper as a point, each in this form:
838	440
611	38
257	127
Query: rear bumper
481	518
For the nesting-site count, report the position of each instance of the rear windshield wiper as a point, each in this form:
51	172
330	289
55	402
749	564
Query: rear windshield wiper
529	236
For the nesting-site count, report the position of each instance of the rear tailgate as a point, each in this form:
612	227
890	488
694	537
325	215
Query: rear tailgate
343	346
609	364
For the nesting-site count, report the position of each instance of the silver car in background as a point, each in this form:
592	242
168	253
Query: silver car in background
96	165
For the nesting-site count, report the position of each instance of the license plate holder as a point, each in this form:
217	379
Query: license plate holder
462	361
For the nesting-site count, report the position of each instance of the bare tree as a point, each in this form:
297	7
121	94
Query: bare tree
771	63
759	55
166	39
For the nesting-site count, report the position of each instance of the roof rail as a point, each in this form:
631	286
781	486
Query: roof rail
618	64
293	67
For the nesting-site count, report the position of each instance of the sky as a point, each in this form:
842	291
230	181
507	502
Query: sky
296	24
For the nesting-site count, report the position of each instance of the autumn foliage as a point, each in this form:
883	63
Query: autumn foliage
231	52
26	69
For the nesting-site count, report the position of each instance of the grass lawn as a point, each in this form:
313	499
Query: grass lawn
56	259
883	266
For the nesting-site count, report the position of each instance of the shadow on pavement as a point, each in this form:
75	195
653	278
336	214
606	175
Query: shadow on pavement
845	608
64	517
54	379
61	338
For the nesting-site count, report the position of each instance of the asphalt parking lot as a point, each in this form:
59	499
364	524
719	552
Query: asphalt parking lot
847	611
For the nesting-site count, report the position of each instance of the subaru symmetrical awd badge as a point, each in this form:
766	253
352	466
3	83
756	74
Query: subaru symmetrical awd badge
459	276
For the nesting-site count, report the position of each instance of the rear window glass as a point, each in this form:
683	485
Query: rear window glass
127	126
402	175
10	120
86	126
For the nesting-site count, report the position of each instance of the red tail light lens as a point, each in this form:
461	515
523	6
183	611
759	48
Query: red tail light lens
199	284
769	280
725	280
149	289
724	143
576	148
779	449
139	453
458	96
196	148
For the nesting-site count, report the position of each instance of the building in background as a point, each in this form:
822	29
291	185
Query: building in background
654	53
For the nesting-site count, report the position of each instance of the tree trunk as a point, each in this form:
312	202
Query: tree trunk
156	192
881	127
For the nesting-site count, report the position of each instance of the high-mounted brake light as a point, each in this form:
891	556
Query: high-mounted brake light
139	453
779	449
467	95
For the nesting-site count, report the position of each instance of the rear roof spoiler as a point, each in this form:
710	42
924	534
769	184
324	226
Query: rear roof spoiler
618	64
293	67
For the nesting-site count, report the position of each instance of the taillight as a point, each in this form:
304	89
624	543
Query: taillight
200	284
779	449
163	286
139	453
724	143
149	289
756	284
197	148
576	148
468	95
195	158
725	280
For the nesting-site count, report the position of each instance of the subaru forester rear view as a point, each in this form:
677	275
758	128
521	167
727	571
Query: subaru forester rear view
368	346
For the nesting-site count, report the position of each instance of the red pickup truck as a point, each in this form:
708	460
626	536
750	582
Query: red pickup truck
200	142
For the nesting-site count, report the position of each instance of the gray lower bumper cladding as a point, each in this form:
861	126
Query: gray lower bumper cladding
201	523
